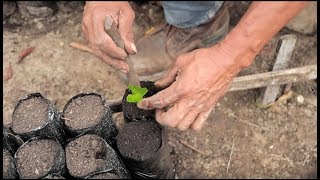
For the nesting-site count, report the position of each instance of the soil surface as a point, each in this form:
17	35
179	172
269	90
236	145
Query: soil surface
131	110
84	112
7	160
36	158
85	155
105	176
139	140
288	149
29	115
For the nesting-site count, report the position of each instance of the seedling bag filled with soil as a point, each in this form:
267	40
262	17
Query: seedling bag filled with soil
143	146
89	154
10	141
89	114
9	168
38	158
131	112
36	116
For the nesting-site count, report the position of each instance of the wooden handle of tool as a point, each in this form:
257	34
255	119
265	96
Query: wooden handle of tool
111	29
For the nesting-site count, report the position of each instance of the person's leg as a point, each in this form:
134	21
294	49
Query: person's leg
187	14
194	25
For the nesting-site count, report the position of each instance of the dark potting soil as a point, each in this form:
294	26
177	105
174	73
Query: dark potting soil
139	140
105	176
7	160
84	112
29	115
85	154
131	110
36	158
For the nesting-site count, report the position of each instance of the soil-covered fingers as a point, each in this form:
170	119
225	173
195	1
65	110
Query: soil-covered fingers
114	63
188	119
200	120
168	78
174	115
162	99
103	41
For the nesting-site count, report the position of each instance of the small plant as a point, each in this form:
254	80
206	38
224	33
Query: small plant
137	94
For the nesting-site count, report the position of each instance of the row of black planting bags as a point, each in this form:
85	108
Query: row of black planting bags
62	147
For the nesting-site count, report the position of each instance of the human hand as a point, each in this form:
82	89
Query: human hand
105	48
194	84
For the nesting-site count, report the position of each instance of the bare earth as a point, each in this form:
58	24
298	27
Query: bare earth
265	143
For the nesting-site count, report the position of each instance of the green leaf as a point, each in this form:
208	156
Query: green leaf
137	94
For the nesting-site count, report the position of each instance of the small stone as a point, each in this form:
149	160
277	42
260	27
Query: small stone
61	44
218	104
231	114
39	25
271	147
300	99
36	171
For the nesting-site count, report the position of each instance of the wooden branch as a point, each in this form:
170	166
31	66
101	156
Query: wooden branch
274	78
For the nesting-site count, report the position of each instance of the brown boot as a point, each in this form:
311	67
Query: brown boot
179	40
156	52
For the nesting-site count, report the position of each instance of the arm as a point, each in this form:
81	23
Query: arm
199	78
258	25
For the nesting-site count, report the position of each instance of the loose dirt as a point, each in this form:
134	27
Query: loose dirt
84	112
35	159
139	140
29	115
85	155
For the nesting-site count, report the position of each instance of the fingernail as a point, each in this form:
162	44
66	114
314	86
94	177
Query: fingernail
133	47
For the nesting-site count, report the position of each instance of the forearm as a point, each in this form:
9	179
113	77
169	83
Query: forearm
258	25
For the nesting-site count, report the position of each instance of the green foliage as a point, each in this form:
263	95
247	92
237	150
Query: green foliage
137	94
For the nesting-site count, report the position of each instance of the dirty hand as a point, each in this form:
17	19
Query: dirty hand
198	79
105	48
195	83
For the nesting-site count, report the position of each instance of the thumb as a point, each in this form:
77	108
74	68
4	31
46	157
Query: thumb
126	19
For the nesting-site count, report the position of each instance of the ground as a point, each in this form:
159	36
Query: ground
265	143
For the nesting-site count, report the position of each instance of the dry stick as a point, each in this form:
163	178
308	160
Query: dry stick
285	156
81	47
232	148
193	148
249	123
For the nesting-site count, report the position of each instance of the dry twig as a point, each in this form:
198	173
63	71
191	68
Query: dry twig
249	123
232	148
81	47
193	148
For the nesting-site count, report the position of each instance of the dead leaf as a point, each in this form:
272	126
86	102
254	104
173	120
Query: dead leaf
24	54
8	72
